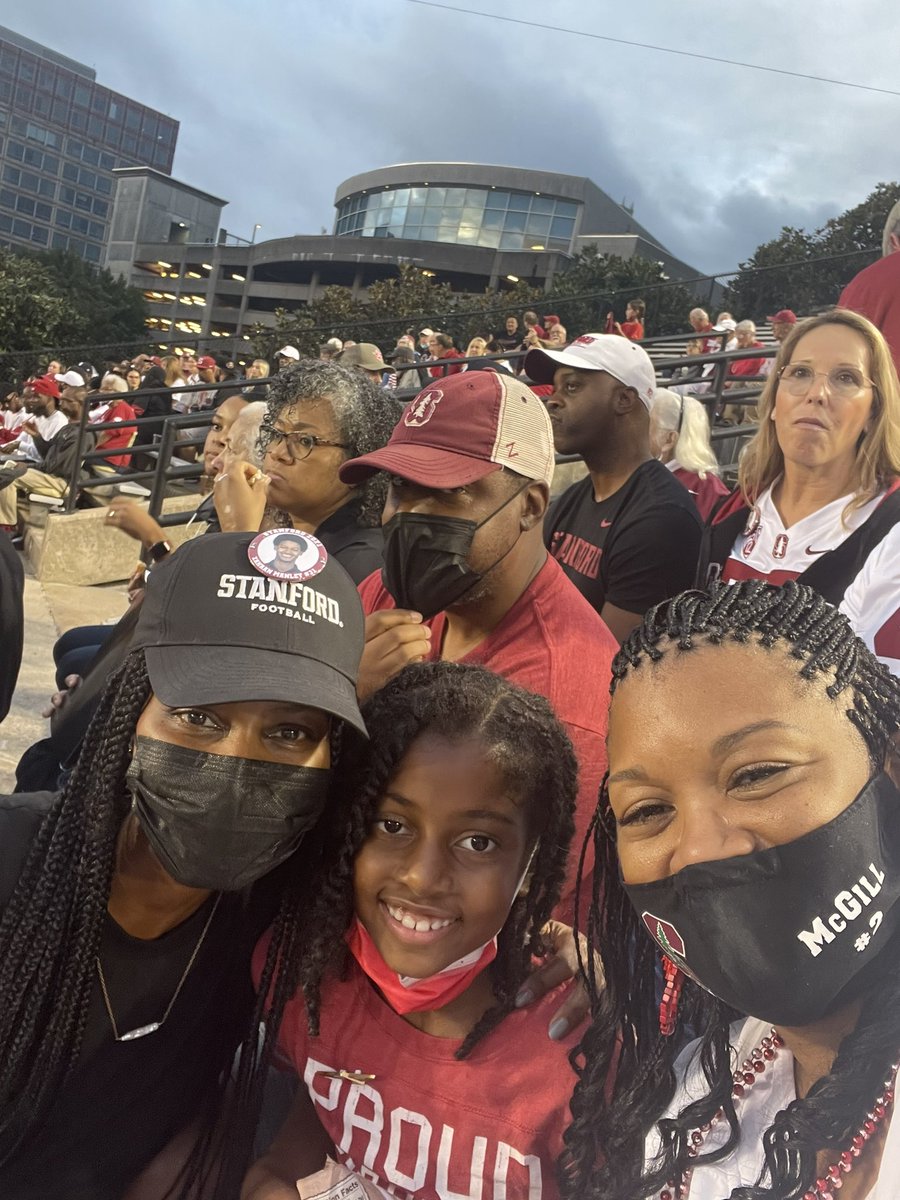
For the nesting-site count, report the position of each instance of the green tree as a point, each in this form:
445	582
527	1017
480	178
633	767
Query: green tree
34	314
108	312
607	280
807	271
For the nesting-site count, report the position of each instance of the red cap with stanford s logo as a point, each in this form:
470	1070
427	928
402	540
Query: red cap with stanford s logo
462	428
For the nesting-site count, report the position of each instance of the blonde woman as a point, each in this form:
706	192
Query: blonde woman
819	487
679	437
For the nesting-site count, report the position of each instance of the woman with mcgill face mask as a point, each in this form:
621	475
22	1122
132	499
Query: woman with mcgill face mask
751	843
819	485
131	901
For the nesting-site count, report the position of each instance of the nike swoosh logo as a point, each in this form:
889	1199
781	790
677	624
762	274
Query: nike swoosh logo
605	524
809	550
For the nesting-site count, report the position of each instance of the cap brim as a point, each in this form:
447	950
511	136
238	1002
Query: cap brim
197	675
541	365
425	465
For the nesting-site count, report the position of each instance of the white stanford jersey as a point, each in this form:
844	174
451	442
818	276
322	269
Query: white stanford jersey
775	553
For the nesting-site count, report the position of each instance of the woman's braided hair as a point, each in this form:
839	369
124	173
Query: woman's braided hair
521	735
50	934
605	1141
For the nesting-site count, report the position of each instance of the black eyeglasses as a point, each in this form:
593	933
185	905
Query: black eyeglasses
300	445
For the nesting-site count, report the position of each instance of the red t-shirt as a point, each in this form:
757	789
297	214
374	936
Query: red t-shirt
440	372
706	492
430	1125
748	366
875	293
551	642
117	439
633	330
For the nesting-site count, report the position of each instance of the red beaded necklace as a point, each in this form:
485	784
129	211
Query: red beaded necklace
752	1067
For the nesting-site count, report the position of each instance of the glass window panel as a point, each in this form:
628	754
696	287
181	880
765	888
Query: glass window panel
469	234
22	228
401	196
515	221
429	233
100	101
8	60
132	118
63	218
107	161
95	230
100	208
369	221
92	253
418	195
511	241
412	229
67	195
129	145
90	155
78	120
558	244
33	157
519	202
489	237
543	205
6	224
70	172
60	241
45	78
145	149
42	104
83	201
565	208
16	150
19	125
456	197
64	86
562	227
472	214
398	215
40	235
382	216
27	68
51	164
82	95
493	219
446	234
24	204
6	92
7	198
29	181
24	94
43	211
499	200
46	188
539	226
95	127
475	197
149	125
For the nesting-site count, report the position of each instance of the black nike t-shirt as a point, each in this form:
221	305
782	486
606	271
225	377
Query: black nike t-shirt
635	548
125	1101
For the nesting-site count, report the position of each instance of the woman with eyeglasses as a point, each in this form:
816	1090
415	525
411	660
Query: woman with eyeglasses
818	498
319	415
679	437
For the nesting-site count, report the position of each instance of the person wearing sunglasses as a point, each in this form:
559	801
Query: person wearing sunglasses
818	496
319	415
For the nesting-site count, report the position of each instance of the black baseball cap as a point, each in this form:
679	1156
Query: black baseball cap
217	625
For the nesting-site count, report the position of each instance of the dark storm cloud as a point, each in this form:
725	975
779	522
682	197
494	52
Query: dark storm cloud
278	102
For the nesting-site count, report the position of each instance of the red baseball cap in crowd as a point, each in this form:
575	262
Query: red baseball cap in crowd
45	385
619	357
206	363
784	316
462	428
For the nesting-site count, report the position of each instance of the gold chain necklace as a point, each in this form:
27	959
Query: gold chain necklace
143	1030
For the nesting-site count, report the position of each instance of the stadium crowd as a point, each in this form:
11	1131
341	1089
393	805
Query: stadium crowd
422	830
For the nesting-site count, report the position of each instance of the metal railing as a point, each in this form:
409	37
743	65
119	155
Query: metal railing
167	471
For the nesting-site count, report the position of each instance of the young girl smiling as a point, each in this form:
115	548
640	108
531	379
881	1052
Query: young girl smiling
440	869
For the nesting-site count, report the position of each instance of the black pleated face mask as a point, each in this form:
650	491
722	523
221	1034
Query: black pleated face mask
787	934
219	822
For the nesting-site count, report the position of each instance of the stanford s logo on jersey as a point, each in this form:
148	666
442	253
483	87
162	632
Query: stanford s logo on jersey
665	933
422	408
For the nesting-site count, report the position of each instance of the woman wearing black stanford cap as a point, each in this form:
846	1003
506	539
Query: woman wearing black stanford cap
131	901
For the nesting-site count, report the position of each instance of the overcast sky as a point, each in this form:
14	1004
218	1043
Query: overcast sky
280	101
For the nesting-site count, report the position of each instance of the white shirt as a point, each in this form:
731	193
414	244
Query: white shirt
772	1091
48	428
778	553
12	420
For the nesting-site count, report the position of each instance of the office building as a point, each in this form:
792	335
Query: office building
62	136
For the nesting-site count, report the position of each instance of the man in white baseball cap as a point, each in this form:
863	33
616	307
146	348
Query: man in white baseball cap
287	356
628	535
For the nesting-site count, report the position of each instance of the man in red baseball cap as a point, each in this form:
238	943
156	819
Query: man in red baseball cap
782	323
466	574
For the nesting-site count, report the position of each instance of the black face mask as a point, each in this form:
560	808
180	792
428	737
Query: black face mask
218	822
785	934
425	558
